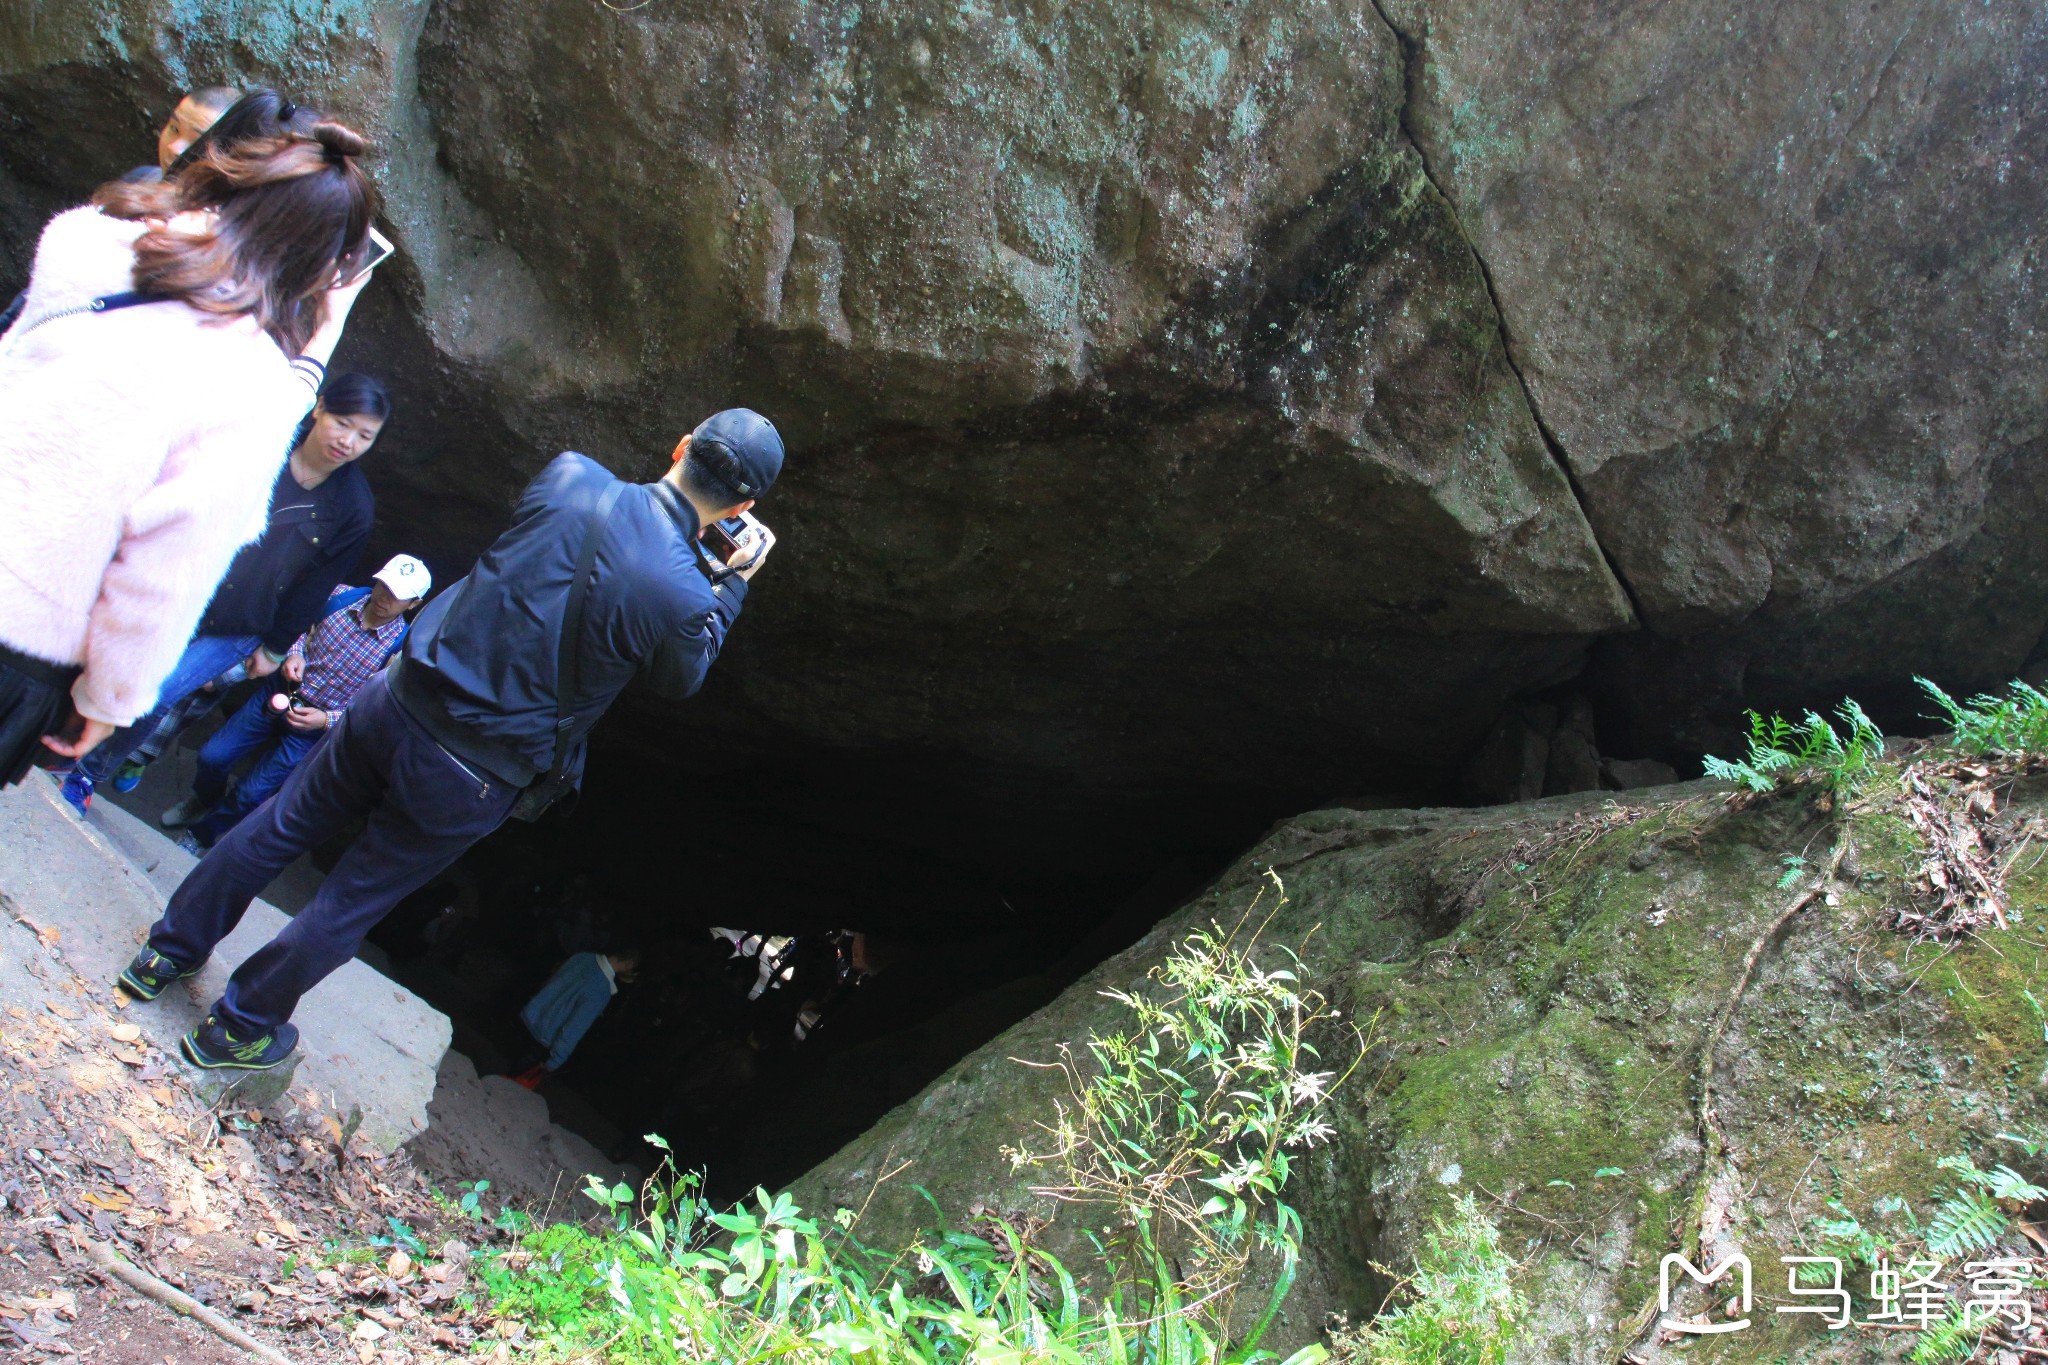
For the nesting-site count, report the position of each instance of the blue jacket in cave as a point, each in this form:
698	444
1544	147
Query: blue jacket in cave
562	1011
478	670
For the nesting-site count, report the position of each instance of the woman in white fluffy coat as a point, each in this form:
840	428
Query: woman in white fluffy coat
139	443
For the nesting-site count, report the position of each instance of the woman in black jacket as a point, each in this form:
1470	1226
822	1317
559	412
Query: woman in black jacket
321	512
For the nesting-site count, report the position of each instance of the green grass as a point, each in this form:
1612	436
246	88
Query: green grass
1177	1142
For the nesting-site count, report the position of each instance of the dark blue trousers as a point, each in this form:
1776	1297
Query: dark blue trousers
423	808
255	726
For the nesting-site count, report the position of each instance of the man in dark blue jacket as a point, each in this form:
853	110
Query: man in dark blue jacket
434	752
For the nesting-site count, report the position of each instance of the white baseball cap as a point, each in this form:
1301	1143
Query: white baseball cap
407	578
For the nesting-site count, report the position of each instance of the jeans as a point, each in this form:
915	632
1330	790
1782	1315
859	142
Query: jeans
253	727
206	658
424	809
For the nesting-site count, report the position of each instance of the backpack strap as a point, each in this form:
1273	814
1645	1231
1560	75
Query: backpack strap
343	599
567	672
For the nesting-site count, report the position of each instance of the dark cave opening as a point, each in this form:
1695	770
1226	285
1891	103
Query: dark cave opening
975	914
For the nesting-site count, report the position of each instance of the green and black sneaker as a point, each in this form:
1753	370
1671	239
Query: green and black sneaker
146	977
212	1048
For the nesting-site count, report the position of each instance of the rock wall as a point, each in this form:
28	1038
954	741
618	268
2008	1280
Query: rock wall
1235	392
1539	986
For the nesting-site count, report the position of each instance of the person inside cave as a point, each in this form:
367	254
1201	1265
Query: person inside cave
321	515
562	1011
486	710
190	120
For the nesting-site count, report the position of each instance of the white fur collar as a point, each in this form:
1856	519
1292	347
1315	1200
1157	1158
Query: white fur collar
83	254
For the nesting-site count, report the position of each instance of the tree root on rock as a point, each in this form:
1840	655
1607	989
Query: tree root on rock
1713	1141
150	1287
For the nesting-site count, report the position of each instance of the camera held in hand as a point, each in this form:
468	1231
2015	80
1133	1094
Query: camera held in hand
726	538
281	702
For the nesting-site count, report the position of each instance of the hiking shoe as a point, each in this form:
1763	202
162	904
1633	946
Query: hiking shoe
212	1048
77	790
129	776
187	812
146	977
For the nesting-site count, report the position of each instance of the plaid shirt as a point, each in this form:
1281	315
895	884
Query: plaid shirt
342	653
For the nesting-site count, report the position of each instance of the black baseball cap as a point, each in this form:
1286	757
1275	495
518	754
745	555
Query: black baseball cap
751	445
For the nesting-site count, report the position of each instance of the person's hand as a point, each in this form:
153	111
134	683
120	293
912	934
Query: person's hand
753	550
89	738
294	668
342	296
309	720
259	664
339	299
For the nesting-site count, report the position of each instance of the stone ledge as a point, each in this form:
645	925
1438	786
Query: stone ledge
368	1043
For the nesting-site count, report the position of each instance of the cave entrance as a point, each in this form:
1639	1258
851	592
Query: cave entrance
981	894
972	915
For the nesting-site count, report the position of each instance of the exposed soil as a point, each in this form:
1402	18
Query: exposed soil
285	1222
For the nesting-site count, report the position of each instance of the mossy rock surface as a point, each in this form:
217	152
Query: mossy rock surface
1538	983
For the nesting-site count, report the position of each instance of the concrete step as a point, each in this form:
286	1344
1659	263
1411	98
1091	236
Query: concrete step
97	885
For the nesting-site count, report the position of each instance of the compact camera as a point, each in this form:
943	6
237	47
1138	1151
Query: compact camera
285	701
723	539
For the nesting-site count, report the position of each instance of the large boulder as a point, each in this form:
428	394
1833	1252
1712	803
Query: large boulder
1767	273
1220	395
1594	1014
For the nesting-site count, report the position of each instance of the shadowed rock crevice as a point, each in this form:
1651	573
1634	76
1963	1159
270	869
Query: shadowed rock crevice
1412	58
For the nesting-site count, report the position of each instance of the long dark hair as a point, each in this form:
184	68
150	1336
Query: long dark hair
295	209
349	395
260	113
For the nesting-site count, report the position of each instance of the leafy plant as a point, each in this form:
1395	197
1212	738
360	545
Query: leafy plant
402	1235
1460	1305
677	1280
2033	1139
2014	723
472	1202
1781	750
1845	1239
1971	1218
1954	1338
1181	1136
558	1284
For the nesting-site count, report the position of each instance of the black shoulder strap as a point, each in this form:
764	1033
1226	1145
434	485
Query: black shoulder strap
566	670
107	303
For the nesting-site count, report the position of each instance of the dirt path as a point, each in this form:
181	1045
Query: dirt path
283	1222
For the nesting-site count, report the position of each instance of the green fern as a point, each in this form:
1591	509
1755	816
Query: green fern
2015	723
1953	1339
2002	1182
2006	1183
1966	1221
1844	1239
1780	750
1461	1308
